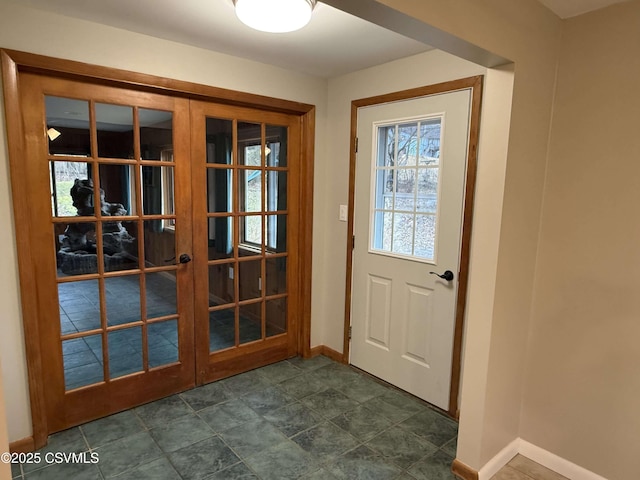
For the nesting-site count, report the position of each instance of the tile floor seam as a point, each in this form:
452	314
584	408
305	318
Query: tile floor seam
91	449
137	466
330	460
237	454
86	440
240	461
177	468
258	453
303	431
412	464
142	422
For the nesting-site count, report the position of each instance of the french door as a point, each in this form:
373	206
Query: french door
244	169
162	234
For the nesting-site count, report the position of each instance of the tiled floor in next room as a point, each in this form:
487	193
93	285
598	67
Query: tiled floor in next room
307	419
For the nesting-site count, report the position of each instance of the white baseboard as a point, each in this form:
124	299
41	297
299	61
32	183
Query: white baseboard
500	460
538	455
556	463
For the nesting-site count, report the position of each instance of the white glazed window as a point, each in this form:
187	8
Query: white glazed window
405	194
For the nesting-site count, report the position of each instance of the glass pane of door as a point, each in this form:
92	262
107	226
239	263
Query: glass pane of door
404	201
246	169
117	269
68	127
114	125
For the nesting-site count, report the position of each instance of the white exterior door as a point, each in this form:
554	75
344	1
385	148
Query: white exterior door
410	179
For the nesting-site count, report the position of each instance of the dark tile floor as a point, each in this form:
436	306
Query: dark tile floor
297	419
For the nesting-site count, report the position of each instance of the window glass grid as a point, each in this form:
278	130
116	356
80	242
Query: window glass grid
127	198
262	176
405	191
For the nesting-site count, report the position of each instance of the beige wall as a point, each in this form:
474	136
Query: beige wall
582	384
5	468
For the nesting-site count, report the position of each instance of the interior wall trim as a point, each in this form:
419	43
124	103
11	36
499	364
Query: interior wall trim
24	445
327	352
503	457
26	268
539	455
556	463
463	471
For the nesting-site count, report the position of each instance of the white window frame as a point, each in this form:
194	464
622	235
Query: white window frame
168	189
375	231
270	192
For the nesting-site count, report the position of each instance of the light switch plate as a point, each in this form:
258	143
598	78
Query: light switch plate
343	213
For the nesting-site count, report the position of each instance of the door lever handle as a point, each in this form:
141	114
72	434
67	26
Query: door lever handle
185	258
447	275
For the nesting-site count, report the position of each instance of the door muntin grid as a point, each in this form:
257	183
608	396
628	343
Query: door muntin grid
405	191
112	194
246	171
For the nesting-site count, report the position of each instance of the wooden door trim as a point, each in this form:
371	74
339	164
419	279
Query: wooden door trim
13	63
30	309
475	84
306	229
463	471
32	62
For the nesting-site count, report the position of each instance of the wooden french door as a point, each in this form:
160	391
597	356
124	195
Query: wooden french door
162	242
245	169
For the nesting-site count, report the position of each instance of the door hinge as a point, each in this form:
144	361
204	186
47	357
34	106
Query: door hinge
349	332
356	145
353	242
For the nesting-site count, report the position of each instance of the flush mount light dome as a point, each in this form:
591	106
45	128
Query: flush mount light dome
275	16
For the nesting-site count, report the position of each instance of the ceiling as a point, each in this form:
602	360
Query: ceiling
332	44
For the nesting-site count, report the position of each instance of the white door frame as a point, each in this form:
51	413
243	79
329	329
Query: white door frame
475	85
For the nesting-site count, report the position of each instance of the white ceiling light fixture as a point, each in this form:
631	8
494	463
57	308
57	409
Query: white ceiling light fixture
275	16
